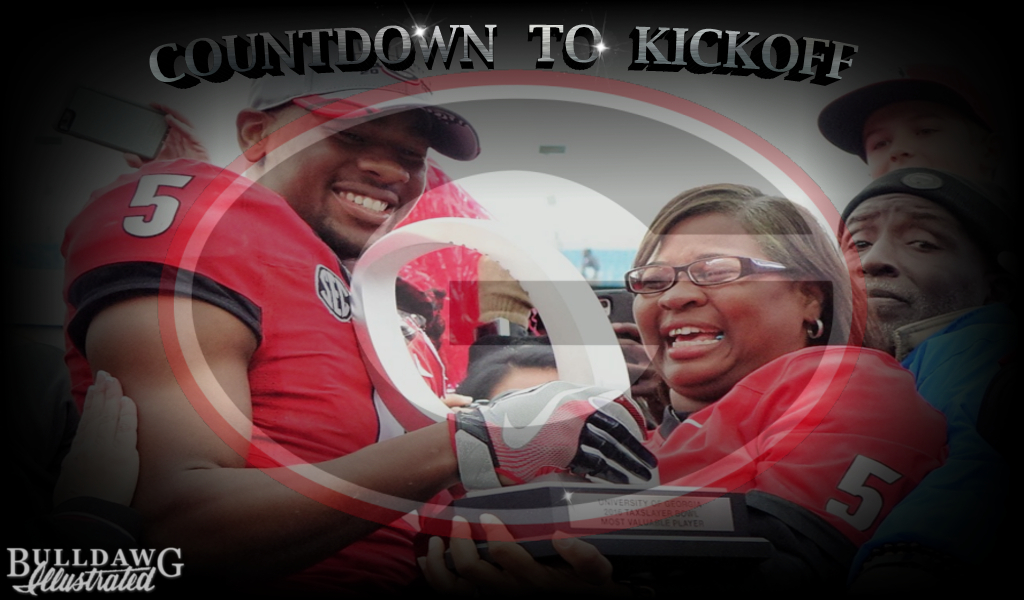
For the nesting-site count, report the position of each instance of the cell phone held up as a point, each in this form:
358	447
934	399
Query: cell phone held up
113	122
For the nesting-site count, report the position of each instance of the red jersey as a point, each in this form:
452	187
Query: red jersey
451	270
311	395
838	431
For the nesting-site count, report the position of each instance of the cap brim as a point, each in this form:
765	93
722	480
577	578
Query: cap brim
842	121
449	133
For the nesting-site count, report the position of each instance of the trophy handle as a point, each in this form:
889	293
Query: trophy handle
586	349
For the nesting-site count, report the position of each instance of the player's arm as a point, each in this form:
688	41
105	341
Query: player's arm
195	493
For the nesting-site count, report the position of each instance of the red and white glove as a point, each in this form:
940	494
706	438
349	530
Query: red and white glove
555	427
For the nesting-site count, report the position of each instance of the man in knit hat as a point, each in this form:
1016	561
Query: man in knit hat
933	250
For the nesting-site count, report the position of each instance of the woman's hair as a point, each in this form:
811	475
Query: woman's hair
491	368
787	233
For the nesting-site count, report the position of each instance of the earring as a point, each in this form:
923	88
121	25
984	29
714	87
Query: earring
817	333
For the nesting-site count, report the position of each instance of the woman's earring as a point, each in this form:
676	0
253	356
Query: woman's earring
817	333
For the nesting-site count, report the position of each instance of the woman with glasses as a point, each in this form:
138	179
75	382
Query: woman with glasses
744	306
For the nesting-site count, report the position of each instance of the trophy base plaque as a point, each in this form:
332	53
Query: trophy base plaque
628	524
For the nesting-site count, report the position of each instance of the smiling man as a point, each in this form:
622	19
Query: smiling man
931	248
348	189
260	370
270	308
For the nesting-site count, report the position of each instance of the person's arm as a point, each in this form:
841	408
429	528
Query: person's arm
193	491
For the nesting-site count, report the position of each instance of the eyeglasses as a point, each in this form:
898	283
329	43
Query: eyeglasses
651	279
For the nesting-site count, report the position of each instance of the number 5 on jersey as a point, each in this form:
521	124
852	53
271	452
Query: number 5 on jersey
855	482
164	207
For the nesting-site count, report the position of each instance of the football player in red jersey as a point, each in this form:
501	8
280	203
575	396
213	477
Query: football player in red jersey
222	307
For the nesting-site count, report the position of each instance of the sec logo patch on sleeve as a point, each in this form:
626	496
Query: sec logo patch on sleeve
333	293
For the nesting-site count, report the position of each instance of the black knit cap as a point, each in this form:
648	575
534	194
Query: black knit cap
977	208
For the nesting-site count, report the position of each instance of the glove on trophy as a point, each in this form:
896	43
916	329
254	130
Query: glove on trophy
555	427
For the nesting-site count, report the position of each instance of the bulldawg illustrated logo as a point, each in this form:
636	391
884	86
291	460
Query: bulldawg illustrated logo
93	570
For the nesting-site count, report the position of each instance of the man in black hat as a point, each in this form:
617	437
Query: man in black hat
934	252
929	117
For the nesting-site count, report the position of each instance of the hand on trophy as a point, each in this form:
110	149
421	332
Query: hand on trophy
555	427
511	571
